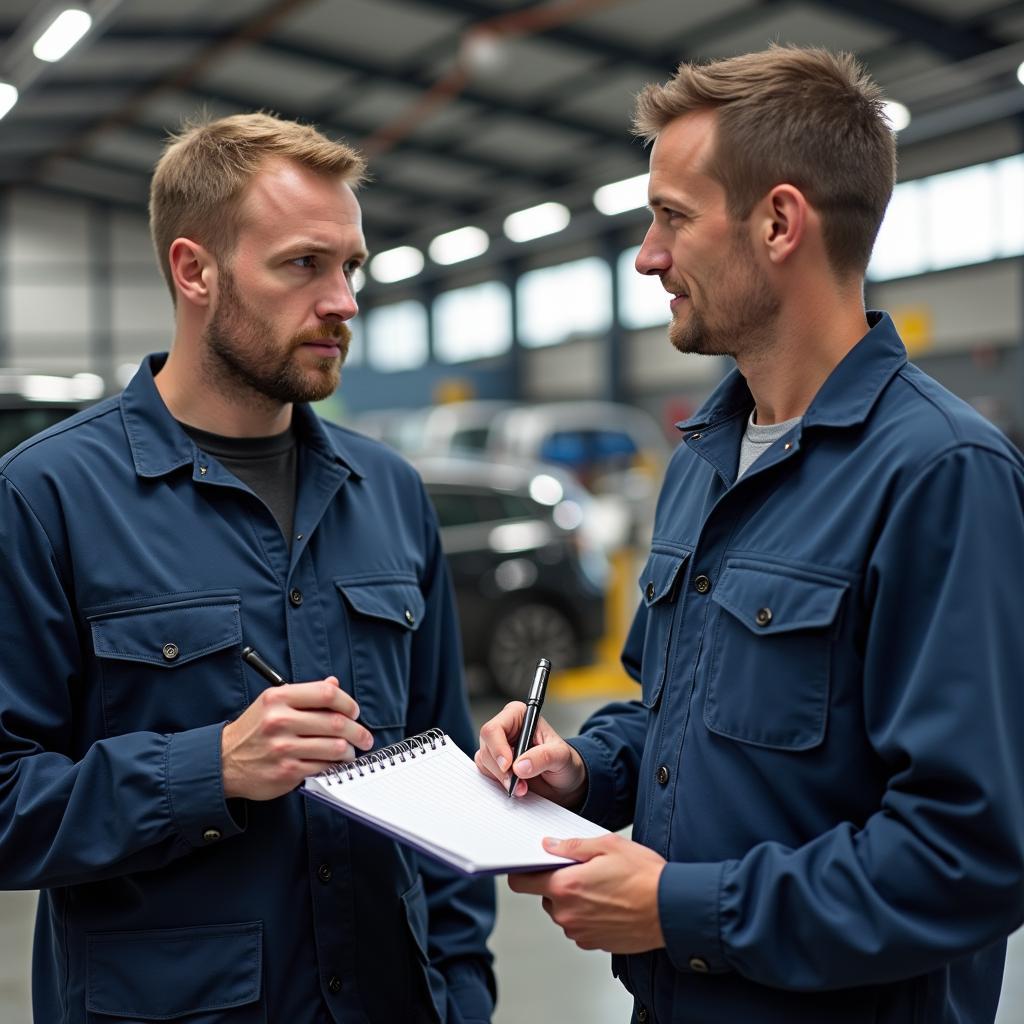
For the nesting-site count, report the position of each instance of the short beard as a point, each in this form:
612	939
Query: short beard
742	327
242	357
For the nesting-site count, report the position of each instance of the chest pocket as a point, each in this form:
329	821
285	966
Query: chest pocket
170	666
382	617
770	657
659	588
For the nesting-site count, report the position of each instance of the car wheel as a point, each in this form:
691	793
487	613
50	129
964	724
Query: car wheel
520	636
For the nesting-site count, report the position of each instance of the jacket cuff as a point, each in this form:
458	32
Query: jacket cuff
600	800
689	898
195	787
471	994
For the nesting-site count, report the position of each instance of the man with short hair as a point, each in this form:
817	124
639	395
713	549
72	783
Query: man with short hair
825	768
148	780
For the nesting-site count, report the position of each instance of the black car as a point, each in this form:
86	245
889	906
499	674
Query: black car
31	402
528	581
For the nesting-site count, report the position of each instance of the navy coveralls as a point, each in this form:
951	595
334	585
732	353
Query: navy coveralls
133	568
829	744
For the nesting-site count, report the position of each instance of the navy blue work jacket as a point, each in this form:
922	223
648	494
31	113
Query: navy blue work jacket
133	568
829	745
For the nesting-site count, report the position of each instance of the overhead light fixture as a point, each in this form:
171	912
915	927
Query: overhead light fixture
619	196
65	30
8	97
896	114
536	221
458	245
1020	73
396	264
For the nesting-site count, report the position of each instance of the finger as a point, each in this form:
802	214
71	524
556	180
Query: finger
488	768
553	756
322	693
330	724
535	883
497	734
324	749
575	849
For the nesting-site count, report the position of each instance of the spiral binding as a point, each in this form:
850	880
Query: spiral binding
377	760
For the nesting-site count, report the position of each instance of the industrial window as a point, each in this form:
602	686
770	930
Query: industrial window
396	336
473	322
556	303
643	302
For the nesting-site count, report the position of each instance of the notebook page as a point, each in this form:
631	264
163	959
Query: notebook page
441	799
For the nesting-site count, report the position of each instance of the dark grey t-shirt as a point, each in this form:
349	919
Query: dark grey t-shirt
268	465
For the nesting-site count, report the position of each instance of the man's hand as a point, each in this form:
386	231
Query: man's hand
288	733
609	900
555	769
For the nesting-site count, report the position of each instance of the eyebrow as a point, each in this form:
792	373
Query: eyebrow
304	248
656	201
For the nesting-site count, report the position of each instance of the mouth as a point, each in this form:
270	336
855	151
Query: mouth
323	349
678	298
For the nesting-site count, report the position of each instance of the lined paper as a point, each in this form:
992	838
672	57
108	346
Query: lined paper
441	803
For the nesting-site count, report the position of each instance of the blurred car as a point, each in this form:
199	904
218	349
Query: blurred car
31	402
611	448
529	578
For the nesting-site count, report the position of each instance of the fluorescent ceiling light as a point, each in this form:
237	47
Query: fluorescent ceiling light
1020	73
65	30
460	244
396	264
536	222
896	114
8	97
619	196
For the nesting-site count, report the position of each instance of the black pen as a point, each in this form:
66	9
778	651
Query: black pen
533	705
272	676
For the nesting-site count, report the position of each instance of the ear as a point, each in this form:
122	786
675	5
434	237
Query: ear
193	270
784	223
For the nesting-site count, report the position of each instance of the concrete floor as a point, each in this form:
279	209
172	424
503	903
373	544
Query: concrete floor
542	976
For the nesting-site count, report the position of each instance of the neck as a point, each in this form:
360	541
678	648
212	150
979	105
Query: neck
809	343
192	397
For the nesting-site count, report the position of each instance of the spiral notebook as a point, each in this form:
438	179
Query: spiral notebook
425	792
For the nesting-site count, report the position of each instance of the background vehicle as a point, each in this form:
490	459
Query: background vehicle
30	402
529	578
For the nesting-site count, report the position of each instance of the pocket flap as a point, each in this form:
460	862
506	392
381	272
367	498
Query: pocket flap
659	576
167	634
767	602
397	601
174	972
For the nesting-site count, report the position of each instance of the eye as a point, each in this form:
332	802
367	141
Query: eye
304	262
352	266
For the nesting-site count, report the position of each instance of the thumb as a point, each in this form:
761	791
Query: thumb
545	757
574	849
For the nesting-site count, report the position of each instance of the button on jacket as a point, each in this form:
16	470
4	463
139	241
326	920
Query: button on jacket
133	569
829	744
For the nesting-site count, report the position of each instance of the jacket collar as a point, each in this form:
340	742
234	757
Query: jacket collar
844	400
159	445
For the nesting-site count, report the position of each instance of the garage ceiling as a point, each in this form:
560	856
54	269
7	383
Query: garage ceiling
469	109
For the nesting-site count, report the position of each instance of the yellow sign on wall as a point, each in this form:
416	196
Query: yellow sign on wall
916	327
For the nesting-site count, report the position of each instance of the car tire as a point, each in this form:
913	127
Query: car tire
522	634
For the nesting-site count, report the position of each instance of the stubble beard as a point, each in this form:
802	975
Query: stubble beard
245	361
747	311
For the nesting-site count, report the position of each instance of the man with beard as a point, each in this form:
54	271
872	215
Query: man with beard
825	766
148	777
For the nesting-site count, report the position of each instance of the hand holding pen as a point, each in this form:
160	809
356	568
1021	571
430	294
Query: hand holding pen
550	767
288	733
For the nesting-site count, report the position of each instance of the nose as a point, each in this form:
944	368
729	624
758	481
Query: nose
338	300
653	257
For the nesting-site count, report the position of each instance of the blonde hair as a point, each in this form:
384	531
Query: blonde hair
803	116
199	180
